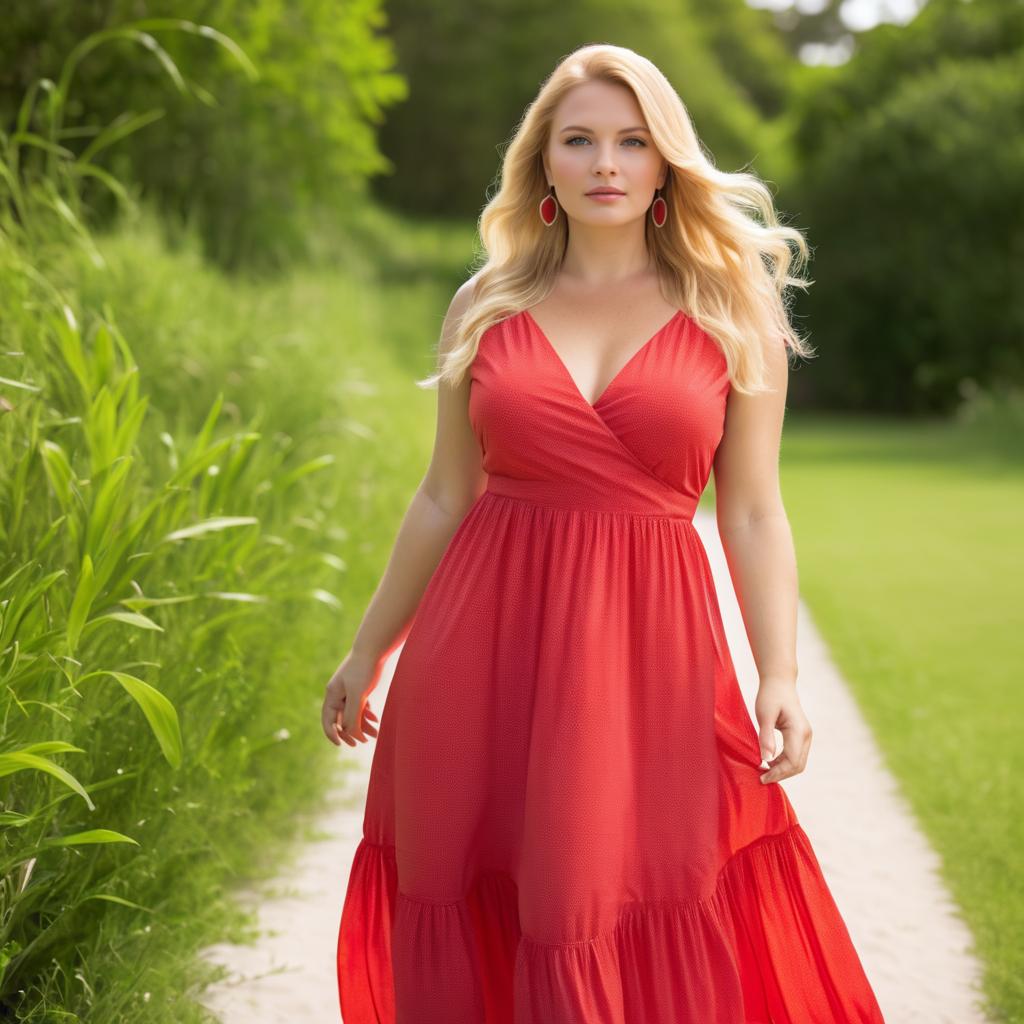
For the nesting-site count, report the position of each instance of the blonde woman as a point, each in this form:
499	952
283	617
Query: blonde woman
568	818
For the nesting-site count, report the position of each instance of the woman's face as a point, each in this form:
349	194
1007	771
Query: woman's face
599	139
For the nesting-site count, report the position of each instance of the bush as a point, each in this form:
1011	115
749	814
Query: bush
917	215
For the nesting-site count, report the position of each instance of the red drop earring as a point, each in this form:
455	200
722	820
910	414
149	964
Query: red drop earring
659	211
549	208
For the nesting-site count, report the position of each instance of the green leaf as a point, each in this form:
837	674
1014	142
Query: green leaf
159	712
80	605
211	525
131	618
149	602
58	471
15	819
93	835
114	899
19	760
282	483
51	747
101	516
124	124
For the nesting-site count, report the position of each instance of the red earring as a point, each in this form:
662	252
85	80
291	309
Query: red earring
659	211
549	208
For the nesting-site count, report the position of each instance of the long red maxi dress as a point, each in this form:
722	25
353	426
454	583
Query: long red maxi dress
565	822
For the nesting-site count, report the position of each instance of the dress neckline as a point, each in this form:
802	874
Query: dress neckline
618	374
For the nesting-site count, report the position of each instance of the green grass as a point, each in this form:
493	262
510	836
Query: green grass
323	435
911	559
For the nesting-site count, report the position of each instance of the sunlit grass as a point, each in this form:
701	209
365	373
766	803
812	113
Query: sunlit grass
911	560
265	519
197	477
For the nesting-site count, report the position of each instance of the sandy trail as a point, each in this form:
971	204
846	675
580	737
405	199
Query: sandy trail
880	867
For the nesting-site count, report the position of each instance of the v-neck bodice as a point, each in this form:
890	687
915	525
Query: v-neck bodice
622	369
646	445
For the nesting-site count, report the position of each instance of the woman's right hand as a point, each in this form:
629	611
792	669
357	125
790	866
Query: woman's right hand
346	712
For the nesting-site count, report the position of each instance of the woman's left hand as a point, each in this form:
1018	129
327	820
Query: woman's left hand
778	707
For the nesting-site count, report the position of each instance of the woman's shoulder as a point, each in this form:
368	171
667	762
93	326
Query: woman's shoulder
460	302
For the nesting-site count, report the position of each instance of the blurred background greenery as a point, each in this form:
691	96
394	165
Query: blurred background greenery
229	230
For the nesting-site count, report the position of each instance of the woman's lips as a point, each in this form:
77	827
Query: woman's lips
605	197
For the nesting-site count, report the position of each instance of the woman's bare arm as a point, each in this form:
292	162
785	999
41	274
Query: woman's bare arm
759	550
453	481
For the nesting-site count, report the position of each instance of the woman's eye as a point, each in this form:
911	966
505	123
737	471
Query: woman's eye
631	139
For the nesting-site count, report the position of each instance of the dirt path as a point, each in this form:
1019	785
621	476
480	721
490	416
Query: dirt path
878	864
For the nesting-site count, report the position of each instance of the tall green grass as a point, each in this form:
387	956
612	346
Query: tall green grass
191	520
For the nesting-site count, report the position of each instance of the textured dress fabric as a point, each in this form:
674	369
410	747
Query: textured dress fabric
565	822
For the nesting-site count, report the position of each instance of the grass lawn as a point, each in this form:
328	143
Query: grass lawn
910	554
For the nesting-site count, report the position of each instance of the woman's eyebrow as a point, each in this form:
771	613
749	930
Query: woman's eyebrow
622	131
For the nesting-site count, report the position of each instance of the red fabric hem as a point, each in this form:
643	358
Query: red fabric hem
766	946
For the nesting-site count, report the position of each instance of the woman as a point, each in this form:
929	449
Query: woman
567	819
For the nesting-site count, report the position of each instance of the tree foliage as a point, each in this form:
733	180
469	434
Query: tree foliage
250	163
912	178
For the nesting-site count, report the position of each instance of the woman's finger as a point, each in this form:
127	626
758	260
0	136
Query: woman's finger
781	768
328	719
798	742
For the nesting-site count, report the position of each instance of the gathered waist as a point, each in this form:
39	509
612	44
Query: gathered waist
570	497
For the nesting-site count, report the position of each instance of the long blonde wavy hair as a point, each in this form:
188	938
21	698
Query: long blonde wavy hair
717	262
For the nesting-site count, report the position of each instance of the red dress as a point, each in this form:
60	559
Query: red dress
565	822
